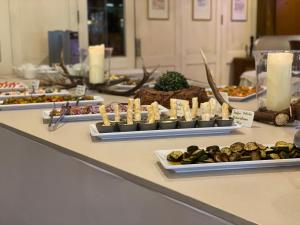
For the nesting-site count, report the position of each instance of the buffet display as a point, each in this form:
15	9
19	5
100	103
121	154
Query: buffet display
35	102
194	121
236	156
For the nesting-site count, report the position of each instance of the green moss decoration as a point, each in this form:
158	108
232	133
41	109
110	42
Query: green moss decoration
171	81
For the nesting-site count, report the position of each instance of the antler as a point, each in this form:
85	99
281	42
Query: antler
212	83
146	77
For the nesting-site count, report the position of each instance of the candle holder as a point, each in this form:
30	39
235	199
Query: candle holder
277	79
277	84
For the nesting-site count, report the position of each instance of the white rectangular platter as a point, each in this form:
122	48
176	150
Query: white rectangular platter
240	99
222	166
89	117
97	100
20	95
160	133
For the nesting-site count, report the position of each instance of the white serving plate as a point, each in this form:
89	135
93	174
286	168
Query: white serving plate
19	87
87	117
160	133
128	87
61	93
222	166
240	99
97	100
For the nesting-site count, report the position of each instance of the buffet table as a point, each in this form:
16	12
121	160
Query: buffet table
264	196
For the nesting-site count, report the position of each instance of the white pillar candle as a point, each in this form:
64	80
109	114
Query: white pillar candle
96	64
279	73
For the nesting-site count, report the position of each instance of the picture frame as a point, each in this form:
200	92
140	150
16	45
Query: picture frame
201	10
158	9
239	10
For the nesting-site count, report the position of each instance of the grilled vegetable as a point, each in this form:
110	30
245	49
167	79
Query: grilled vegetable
274	156
255	155
236	152
226	150
212	149
251	146
192	148
237	147
175	156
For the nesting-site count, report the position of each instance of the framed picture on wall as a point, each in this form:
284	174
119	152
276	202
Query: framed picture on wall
201	10
158	9
239	10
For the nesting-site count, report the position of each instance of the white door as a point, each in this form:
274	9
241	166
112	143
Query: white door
5	42
159	40
236	38
197	35
125	61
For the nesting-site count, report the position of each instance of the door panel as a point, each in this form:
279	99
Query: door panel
119	62
5	42
197	35
159	39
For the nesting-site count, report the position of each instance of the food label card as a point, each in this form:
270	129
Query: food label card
179	107
80	90
35	84
243	117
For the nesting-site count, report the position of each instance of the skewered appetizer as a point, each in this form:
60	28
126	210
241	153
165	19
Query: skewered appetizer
92	109
236	152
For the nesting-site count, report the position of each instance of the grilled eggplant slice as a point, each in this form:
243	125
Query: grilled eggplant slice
175	156
192	148
212	149
274	156
226	150
234	157
251	146
237	147
255	155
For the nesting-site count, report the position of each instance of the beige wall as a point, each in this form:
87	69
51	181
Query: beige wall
176	43
173	44
30	22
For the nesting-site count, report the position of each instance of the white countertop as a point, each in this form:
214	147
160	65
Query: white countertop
266	196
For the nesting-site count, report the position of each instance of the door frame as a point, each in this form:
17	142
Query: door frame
119	62
5	39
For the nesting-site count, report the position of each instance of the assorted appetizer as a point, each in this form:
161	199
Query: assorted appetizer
11	85
236	91
236	152
192	117
91	109
43	99
26	92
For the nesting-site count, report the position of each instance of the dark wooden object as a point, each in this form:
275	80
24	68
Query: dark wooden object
240	65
